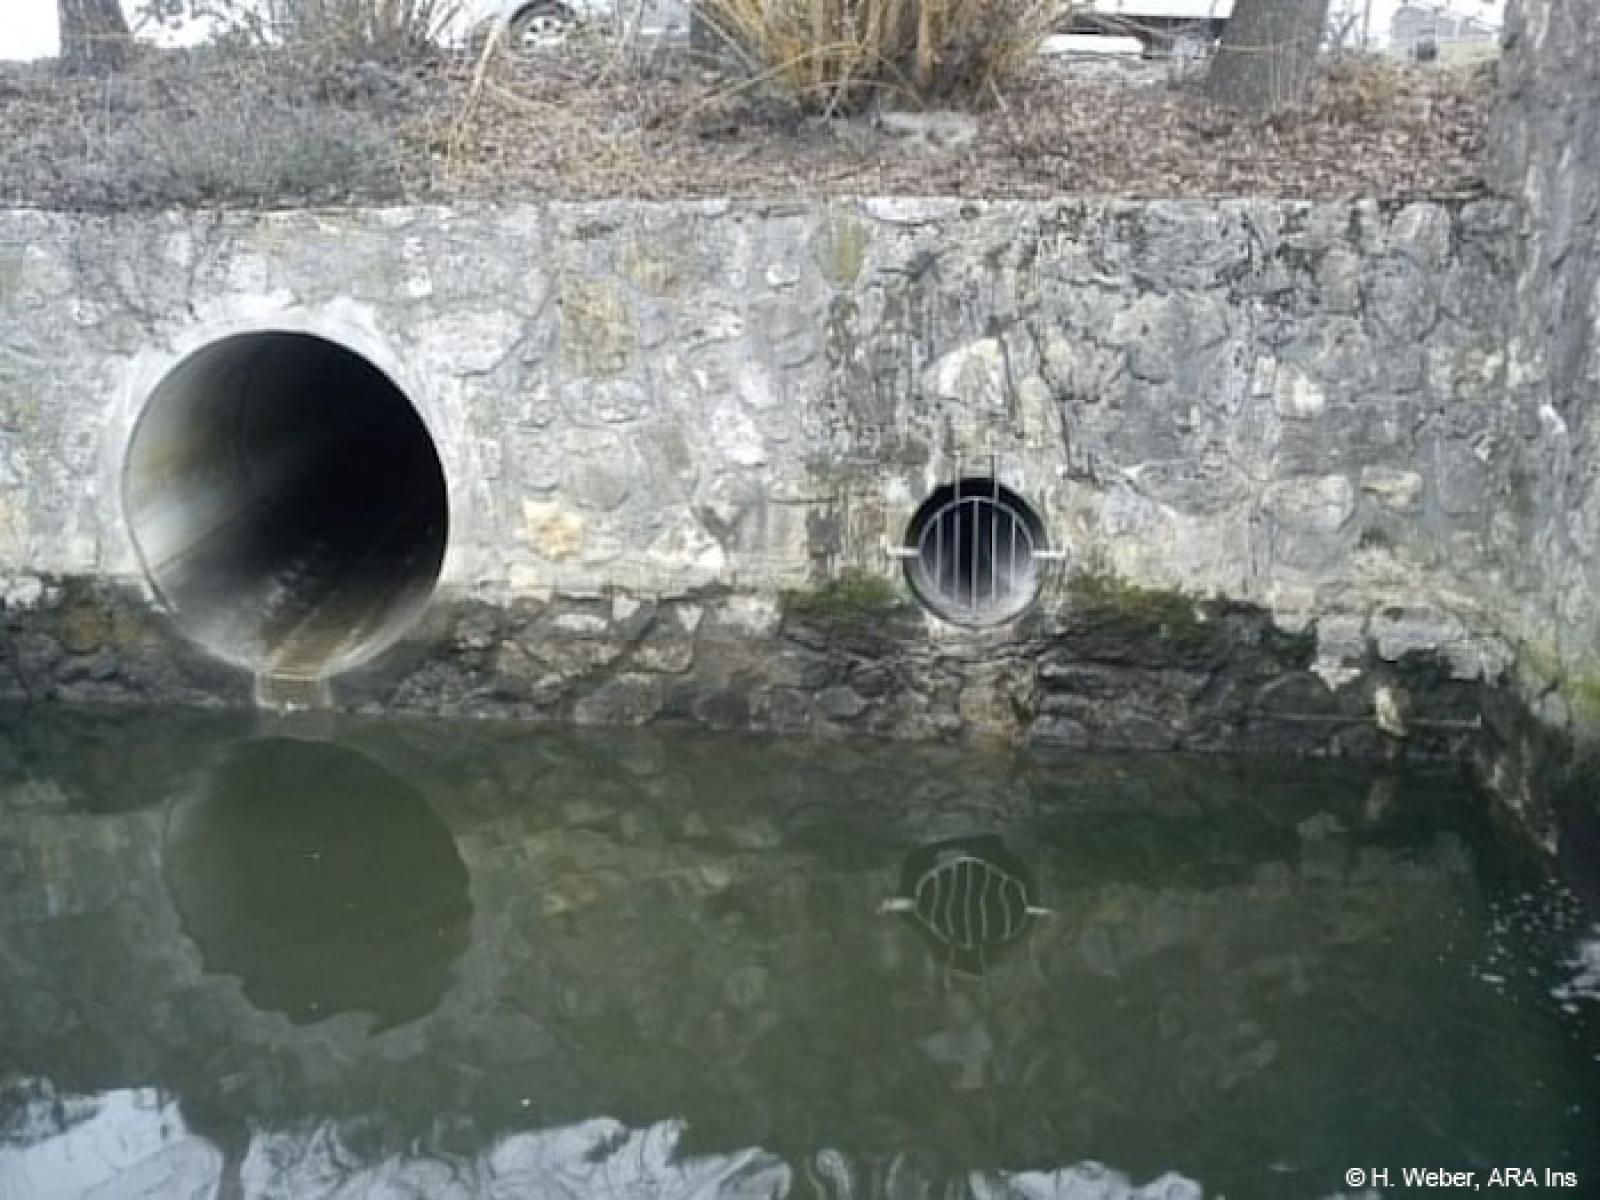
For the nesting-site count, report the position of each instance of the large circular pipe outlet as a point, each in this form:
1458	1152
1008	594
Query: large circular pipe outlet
287	502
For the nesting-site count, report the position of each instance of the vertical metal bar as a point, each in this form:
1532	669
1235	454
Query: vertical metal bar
972	559
1016	907
994	536
983	906
948	917
1013	557
961	919
955	576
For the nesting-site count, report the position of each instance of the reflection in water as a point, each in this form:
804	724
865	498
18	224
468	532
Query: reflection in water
127	1142
325	883
905	1175
133	1144
971	896
600	1158
1254	977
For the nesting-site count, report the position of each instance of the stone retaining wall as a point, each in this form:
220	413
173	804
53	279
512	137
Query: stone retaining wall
680	441
1540	755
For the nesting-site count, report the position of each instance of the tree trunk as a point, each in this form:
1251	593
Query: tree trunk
94	35
1269	54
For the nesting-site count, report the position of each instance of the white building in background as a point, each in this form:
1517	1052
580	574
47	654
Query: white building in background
1433	29
1380	25
28	30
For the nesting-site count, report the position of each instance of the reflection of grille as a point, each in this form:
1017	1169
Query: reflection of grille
973	552
970	903
969	896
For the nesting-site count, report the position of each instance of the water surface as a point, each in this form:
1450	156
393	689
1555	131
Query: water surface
360	959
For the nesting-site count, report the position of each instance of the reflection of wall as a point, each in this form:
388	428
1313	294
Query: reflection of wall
137	1143
672	931
126	1141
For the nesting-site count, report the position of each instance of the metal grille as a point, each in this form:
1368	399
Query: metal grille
974	553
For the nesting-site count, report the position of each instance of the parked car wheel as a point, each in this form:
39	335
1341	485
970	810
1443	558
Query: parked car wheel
1192	46
540	25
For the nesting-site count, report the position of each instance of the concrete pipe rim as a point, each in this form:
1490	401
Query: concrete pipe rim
234	441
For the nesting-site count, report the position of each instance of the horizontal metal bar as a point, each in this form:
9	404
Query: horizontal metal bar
902	552
1053	555
1445	724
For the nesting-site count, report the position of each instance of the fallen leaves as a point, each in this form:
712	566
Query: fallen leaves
574	124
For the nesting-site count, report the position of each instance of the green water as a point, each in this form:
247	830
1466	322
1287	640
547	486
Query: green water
241	958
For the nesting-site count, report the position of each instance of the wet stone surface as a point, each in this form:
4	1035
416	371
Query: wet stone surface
1106	669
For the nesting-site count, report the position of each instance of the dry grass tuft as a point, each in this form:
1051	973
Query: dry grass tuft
1362	87
836	55
1373	90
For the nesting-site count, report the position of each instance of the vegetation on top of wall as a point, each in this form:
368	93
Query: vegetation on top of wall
1541	667
849	598
1100	596
1122	619
209	126
1583	695
373	113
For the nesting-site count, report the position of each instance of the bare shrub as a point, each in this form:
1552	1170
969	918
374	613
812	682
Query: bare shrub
213	127
384	30
834	54
1378	91
260	148
1363	89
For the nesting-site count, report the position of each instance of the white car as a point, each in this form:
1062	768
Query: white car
530	24
526	23
1162	26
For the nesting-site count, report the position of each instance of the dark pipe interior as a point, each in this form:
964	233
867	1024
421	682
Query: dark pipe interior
978	555
288	502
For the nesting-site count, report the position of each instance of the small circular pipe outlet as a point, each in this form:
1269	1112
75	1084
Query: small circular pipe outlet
974	551
287	503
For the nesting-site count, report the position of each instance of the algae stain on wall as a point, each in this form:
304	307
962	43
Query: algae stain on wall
14	539
839	246
598	328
